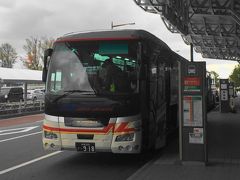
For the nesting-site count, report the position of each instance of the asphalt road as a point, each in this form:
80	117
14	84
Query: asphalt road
23	158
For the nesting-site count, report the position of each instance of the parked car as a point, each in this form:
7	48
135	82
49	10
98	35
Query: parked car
11	94
30	94
38	94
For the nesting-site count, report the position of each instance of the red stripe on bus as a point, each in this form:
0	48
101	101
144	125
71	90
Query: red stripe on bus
96	39
104	130
123	128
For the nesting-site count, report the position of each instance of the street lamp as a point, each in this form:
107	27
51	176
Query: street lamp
117	25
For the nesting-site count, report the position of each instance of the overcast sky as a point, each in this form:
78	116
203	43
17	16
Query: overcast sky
21	19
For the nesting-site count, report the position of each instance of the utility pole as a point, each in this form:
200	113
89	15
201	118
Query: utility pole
117	25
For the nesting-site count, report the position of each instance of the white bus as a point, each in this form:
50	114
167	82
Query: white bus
109	91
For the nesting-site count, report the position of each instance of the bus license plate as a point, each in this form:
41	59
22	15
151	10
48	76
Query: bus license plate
85	147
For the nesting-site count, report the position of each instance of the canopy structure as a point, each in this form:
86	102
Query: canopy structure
10	75
211	26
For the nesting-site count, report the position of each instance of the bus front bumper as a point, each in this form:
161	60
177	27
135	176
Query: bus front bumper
114	146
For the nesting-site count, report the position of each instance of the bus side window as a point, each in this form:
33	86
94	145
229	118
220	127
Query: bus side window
56	81
160	83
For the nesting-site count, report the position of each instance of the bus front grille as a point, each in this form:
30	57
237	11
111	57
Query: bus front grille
86	122
85	136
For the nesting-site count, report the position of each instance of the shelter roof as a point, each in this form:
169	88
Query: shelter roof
212	27
20	75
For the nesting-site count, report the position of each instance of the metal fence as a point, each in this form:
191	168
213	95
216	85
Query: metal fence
22	107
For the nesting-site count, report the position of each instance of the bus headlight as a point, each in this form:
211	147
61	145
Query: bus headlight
50	135
125	137
6	96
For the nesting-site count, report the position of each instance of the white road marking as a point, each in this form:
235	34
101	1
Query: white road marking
17	130
21	117
4	140
29	162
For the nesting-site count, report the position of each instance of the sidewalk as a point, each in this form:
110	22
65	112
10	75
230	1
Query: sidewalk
223	150
159	170
21	120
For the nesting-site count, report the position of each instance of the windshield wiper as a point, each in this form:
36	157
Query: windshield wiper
68	92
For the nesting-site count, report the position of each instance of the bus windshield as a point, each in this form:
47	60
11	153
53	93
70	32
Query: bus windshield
94	67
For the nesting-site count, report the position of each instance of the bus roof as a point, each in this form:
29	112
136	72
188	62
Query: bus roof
126	34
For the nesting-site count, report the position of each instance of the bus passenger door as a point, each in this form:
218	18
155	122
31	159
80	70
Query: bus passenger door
157	106
161	108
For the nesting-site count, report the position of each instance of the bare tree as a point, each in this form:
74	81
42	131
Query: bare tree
47	43
216	78
8	55
34	48
235	76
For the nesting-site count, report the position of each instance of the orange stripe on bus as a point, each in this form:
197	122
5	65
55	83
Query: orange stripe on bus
64	130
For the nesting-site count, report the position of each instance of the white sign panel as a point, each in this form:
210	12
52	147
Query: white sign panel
196	137
223	86
192	111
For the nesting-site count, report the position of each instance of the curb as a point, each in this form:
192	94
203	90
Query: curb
2	117
135	175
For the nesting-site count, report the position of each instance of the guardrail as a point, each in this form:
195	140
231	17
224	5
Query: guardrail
15	108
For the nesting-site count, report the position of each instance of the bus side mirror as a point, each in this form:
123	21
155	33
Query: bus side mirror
44	74
47	54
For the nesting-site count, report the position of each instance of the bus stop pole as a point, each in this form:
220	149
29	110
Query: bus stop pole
180	109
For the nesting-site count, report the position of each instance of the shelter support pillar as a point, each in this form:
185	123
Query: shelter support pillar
191	52
25	92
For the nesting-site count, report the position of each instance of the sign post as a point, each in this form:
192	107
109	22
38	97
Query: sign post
231	96
224	96
192	112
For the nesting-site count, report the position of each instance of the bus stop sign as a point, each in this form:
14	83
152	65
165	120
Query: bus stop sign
192	112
